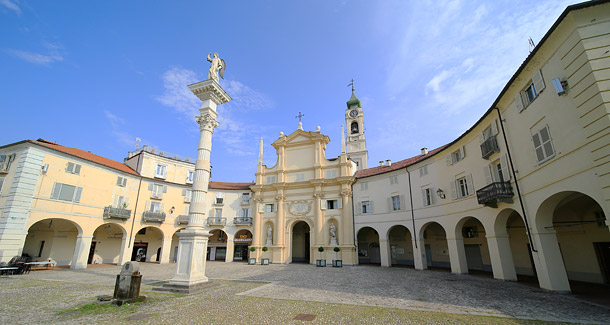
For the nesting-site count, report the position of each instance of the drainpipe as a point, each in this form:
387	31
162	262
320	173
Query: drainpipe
135	209
512	168
412	212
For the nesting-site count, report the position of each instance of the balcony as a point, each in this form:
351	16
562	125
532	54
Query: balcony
212	221
116	213
242	221
489	146
496	192
149	216
182	219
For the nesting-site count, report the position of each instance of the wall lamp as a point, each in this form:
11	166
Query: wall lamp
440	193
172	210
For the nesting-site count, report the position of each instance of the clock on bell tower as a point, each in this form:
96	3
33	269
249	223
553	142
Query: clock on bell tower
355	141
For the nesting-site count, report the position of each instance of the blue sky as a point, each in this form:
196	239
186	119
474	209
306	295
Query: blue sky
96	75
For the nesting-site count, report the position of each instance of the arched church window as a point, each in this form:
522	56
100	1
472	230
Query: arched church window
354	127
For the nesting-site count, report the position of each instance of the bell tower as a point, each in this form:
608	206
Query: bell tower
354	122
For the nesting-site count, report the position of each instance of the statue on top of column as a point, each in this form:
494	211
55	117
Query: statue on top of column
218	65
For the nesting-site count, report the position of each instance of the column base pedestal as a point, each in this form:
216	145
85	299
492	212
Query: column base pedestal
185	288
190	268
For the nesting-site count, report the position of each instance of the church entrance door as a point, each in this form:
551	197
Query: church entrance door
300	243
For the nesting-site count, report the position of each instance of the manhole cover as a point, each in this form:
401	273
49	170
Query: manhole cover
138	316
305	317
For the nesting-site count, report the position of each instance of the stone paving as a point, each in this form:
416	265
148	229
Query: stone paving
374	286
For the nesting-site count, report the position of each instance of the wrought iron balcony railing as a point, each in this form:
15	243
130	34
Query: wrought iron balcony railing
150	216
116	213
496	192
183	219
241	221
213	221
489	146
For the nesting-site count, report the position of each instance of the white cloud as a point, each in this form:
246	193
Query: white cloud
12	5
117	129
54	54
234	130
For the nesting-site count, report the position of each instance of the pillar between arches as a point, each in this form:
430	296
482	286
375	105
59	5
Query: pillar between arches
166	246
419	254
457	255
502	264
126	247
81	252
550	269
384	251
230	249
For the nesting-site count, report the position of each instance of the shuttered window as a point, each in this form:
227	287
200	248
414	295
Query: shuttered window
66	192
543	145
525	97
73	168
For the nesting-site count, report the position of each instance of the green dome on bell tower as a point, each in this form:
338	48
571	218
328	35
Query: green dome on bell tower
353	102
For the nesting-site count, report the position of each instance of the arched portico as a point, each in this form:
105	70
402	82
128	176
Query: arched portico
471	234
106	244
572	241
300	246
436	247
173	253
242	241
400	246
147	246
59	240
217	245
368	246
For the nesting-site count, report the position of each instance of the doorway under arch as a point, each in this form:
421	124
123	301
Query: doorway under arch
52	238
368	246
301	243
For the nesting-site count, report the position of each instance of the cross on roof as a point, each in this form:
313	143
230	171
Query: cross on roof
299	116
351	84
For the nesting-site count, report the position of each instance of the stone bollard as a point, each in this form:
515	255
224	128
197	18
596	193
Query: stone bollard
127	287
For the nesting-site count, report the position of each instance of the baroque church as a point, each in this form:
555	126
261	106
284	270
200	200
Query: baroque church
523	192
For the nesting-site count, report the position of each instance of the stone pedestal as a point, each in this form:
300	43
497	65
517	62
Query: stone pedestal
127	287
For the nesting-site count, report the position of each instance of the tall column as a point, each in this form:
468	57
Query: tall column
166	247
81	252
346	235
126	249
193	243
550	269
384	251
230	248
501	257
457	255
419	254
280	225
318	220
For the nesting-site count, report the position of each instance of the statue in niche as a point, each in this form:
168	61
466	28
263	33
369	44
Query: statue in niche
269	236
218	65
354	127
333	234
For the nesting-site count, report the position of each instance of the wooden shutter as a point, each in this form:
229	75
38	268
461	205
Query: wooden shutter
126	201
77	169
449	159
69	167
390	205
469	184
463	151
184	192
403	205
151	186
371	206
453	190
164	188
147	206
360	207
538	81
481	138
494	127
115	201
519	102
56	190
323	204
77	194
240	213
487	173
505	169
261	207
431	196
340	203
423	195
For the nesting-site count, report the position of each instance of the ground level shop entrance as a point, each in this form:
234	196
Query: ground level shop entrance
242	241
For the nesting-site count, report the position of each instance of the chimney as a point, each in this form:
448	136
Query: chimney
388	162
380	163
424	151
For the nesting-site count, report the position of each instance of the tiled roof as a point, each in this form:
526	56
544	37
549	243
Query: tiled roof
230	186
395	166
85	155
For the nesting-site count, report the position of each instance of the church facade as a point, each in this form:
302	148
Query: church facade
523	192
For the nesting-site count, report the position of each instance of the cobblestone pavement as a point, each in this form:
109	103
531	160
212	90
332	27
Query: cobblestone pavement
373	286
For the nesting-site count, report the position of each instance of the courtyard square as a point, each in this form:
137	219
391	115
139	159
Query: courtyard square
279	293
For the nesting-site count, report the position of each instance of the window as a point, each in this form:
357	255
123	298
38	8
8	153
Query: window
217	213
190	176
270	207
220	198
462	187
5	162
299	177
366	206
157	190
120	202
525	97
364	186
245	198
155	206
470	232
497	171
332	204
244	213
121	181
1	183
393	180
188	195
543	145
73	168
270	179
161	171
66	192
427	196
395	203
423	171
331	173
456	156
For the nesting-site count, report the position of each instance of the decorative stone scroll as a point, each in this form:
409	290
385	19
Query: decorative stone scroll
299	208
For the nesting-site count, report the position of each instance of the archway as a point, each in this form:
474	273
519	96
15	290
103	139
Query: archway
242	240
435	245
300	243
582	235
217	246
106	244
401	246
368	246
519	244
475	244
173	253
147	245
53	239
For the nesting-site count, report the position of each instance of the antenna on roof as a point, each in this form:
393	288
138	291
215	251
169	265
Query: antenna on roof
138	140
531	43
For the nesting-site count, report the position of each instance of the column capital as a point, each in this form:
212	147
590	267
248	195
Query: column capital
207	122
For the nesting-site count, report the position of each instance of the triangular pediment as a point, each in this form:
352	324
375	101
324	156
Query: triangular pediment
300	136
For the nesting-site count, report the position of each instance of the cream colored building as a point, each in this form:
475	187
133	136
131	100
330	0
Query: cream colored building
524	192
